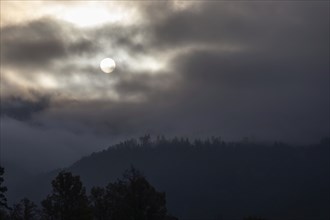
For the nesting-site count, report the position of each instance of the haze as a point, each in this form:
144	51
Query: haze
188	68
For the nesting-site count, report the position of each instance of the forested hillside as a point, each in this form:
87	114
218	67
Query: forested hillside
213	179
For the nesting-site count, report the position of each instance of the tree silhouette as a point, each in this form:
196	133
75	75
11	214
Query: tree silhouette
68	200
3	189
3	200
99	205
253	218
145	140
24	210
136	198
130	198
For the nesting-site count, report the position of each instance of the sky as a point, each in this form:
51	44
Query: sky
233	69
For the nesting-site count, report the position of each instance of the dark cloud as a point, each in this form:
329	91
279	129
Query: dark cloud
134	40
248	93
25	52
23	109
144	84
82	47
275	81
33	43
38	42
242	24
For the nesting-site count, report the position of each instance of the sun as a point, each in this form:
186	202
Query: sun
107	65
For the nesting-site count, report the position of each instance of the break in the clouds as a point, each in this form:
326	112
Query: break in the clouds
232	69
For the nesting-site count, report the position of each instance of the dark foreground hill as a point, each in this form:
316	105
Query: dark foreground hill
212	179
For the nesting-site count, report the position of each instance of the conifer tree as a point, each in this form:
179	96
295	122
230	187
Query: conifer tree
68	200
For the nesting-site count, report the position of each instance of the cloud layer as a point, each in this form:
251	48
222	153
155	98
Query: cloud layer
232	69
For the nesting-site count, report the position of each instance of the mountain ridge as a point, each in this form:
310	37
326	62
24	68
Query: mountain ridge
208	178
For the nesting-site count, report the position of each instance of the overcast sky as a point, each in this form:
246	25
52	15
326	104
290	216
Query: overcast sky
229	68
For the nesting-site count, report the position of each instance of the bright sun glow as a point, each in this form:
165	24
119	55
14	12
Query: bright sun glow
84	16
94	15
47	82
80	13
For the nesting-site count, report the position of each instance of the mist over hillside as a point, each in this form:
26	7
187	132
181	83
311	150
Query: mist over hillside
213	179
79	79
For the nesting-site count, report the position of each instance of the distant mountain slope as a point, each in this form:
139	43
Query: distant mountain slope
212	179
